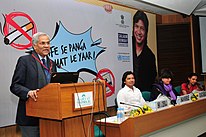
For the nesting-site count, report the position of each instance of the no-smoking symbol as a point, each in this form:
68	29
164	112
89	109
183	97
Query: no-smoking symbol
18	30
108	76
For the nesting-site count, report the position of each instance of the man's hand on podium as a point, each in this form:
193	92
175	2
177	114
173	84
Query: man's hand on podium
33	94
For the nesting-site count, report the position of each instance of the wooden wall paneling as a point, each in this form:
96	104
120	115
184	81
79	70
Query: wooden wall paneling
174	50
172	19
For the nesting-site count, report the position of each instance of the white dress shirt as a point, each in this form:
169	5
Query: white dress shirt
130	96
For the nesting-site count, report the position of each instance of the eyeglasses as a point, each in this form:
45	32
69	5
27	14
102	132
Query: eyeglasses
44	43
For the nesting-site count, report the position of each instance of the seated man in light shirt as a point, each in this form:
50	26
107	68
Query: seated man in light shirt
129	96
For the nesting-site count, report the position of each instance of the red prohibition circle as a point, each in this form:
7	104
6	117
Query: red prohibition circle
11	23
108	85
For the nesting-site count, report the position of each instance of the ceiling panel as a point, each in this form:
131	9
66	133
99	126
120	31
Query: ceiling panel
181	6
163	7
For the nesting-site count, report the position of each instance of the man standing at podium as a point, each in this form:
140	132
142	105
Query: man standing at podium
32	72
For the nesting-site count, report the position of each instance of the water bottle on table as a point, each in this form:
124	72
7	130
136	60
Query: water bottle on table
120	115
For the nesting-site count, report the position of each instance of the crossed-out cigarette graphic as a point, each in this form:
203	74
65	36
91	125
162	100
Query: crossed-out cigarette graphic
12	36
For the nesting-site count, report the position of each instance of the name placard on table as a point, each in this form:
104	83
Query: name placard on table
183	99
159	104
162	104
202	94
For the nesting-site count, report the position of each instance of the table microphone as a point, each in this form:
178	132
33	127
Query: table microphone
173	102
133	106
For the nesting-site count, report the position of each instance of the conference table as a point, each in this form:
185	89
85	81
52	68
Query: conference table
167	120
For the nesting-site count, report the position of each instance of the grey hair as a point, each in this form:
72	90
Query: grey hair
35	37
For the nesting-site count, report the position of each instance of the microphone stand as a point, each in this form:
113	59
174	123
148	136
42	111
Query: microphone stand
133	106
171	101
60	67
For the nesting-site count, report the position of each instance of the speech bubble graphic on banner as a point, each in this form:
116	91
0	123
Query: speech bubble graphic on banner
75	52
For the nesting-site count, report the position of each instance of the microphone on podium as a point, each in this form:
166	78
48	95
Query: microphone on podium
132	106
60	67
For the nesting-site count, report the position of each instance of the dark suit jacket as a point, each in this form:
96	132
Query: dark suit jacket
144	67
28	75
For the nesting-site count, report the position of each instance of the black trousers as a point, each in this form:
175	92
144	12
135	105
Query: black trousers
30	131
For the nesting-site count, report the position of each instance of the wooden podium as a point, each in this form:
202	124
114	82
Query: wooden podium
57	113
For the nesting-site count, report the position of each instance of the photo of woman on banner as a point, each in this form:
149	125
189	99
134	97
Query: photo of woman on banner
144	65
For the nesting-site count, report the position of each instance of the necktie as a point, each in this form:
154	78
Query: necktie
46	71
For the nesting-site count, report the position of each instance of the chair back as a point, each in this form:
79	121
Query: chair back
146	95
116	104
178	89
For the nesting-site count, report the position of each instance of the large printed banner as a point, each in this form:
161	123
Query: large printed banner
87	38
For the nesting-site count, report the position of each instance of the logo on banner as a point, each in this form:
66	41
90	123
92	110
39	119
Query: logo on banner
122	40
123	57
108	8
121	23
122	19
